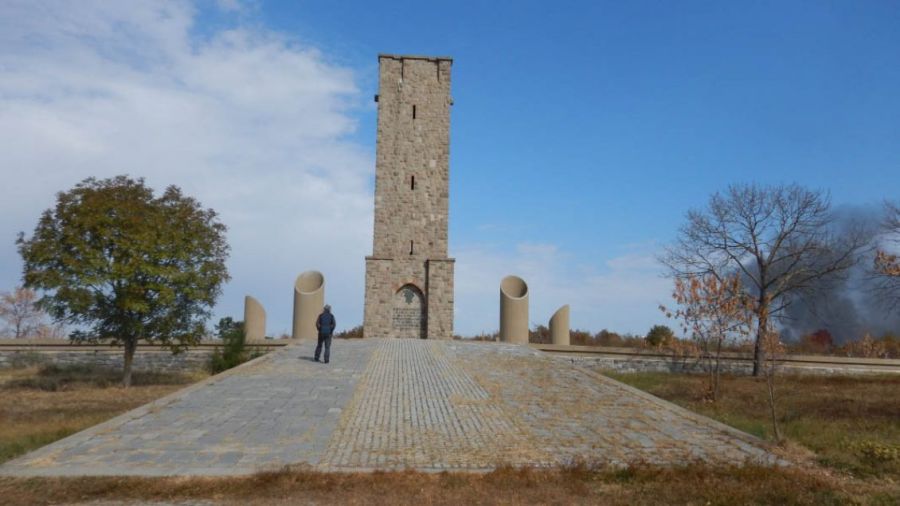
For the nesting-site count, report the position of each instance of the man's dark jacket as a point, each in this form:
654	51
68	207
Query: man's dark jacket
326	323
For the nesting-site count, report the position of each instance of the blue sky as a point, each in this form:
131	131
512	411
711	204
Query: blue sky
581	131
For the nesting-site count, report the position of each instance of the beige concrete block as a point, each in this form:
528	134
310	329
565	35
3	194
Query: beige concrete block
309	299
254	320
559	326
513	310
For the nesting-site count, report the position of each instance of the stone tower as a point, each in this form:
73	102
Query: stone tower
409	278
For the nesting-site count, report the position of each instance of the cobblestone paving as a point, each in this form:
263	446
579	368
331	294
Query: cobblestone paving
279	410
393	404
416	408
575	414
445	405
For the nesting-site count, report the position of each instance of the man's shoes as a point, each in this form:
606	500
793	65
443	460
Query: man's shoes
316	359
326	361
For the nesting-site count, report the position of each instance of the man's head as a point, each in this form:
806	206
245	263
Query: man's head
327	308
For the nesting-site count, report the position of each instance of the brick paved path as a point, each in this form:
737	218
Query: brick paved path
391	404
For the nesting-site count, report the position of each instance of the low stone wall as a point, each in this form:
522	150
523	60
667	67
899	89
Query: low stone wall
638	363
144	360
146	357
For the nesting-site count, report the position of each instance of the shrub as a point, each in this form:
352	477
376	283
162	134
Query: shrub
234	350
354	333
877	451
484	336
607	338
540	335
578	336
659	335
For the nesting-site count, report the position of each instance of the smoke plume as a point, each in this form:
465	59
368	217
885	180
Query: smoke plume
850	305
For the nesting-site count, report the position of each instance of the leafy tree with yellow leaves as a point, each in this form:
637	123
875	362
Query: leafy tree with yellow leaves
125	266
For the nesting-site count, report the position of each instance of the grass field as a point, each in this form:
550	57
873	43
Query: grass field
40	404
850	424
701	485
832	417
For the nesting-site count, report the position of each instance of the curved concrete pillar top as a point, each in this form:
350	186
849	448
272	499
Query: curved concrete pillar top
252	303
514	287
309	282
559	326
514	310
254	319
562	312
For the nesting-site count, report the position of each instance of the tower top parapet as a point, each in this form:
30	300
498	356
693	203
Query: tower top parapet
414	57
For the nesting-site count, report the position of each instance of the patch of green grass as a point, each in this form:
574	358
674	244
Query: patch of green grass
10	449
851	423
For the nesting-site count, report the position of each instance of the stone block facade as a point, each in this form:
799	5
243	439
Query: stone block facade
409	277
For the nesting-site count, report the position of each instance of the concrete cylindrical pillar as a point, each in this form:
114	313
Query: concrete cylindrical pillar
254	320
513	310
559	326
309	298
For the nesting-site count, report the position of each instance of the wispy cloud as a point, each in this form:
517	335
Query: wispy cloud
255	125
250	122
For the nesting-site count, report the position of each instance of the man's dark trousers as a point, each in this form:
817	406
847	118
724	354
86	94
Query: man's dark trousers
324	339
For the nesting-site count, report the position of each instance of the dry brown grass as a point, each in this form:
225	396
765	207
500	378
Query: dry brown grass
573	485
850	423
41	405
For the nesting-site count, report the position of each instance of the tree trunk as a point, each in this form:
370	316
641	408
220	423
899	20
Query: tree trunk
770	384
757	353
762	315
716	374
130	346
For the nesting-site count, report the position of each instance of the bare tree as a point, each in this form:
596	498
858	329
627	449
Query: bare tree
779	239
18	310
887	264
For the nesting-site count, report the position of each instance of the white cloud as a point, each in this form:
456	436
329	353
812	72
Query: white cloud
254	125
251	123
623	296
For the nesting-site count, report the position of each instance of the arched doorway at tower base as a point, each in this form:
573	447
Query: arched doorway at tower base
408	318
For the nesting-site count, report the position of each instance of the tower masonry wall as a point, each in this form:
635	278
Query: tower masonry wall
411	196
412	158
440	298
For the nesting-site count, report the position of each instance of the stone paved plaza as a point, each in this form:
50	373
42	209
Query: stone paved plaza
391	403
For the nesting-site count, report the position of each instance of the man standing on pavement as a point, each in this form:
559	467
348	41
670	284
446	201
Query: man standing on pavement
325	324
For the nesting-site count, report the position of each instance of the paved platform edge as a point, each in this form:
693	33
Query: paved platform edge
697	417
10	467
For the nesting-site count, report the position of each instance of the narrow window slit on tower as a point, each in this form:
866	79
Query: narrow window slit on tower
414	111
412	183
410	247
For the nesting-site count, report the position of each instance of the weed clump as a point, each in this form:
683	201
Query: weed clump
234	350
